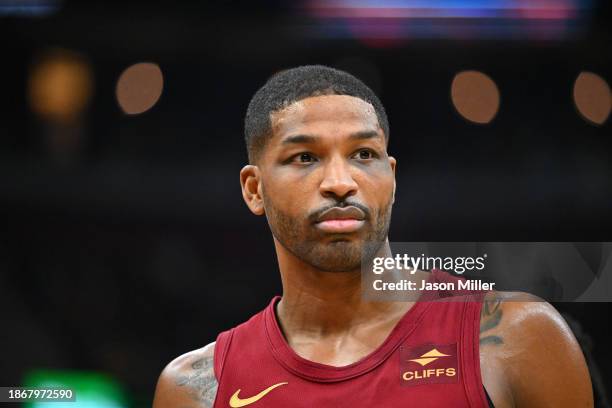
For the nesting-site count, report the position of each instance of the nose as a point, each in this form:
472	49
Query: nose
337	183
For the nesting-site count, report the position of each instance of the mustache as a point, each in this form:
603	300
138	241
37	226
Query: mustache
316	214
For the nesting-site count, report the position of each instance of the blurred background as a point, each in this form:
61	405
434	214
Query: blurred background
125	241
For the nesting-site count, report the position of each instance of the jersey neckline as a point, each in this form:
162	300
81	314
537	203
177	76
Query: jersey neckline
319	372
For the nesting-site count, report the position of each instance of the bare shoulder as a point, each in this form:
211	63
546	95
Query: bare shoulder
527	339
519	314
188	381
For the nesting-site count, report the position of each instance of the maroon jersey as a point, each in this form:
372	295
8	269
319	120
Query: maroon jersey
430	359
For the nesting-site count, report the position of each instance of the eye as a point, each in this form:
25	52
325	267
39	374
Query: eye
364	154
303	158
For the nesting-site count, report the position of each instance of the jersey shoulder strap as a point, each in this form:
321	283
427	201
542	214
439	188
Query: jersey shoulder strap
221	347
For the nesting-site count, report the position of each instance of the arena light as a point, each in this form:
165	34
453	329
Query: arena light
91	389
475	96
540	20
139	87
60	85
592	97
29	8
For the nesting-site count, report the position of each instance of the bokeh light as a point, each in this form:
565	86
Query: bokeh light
475	96
592	97
139	87
60	85
387	22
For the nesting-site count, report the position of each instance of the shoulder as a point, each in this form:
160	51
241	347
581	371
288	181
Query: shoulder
519	314
188	381
531	342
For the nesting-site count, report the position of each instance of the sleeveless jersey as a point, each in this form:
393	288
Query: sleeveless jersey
430	359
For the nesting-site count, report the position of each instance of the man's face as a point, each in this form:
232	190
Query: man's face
327	181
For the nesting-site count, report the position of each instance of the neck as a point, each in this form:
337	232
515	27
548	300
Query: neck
319	303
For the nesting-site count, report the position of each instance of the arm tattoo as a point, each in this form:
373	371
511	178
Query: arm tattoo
201	381
490	316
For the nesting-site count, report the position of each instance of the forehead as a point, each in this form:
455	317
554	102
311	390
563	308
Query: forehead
324	112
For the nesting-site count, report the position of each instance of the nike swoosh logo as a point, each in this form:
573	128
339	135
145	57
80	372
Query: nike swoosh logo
237	402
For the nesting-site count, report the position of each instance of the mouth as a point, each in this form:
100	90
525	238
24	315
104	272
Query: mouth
341	220
340	226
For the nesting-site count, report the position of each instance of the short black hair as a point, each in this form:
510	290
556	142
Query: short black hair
292	85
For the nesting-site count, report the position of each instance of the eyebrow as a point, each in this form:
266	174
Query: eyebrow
299	139
364	134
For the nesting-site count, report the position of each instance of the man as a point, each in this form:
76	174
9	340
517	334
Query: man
319	171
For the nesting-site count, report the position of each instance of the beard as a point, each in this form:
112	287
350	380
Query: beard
341	254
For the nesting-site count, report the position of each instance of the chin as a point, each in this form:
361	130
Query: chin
340	255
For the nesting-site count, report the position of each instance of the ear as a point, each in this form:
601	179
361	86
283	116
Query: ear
393	164
250	181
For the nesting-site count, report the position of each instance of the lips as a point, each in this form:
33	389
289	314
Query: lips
341	220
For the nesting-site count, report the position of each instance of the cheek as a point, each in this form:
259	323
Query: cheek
377	186
288	198
289	183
